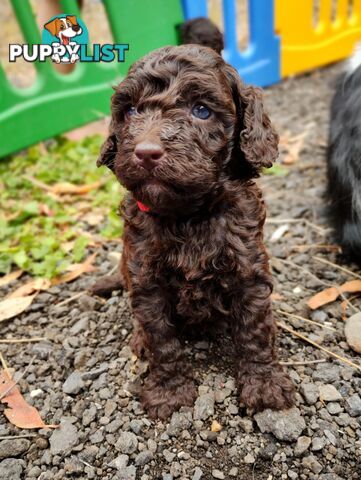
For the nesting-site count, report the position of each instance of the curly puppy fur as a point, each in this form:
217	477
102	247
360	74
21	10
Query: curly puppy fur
197	258
201	31
344	160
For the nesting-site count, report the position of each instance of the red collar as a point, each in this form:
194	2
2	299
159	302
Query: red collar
142	207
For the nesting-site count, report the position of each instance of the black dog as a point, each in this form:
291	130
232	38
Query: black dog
344	160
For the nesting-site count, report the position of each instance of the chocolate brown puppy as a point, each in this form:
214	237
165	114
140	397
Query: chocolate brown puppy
187	139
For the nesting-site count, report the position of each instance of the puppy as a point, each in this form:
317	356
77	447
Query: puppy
64	28
201	31
344	159
187	138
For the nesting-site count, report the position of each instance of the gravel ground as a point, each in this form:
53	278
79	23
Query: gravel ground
86	378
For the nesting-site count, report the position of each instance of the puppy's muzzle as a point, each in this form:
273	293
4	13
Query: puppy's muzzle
148	155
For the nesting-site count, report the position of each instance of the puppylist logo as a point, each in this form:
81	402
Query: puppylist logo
65	40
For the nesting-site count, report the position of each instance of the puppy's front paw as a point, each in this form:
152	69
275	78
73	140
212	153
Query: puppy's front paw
266	387
160	401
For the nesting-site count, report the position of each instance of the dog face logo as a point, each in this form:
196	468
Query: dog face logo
64	28
66	33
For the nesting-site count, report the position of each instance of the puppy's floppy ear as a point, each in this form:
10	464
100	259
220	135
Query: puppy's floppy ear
108	151
258	140
53	26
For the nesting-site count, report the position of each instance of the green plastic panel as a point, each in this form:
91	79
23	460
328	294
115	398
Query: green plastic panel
57	103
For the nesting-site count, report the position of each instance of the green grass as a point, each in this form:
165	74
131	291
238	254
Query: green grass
43	233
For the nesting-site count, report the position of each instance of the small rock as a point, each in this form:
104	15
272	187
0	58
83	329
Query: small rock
127	443
334	408
249	459
13	447
119	462
302	445
86	304
97	437
317	444
114	258
136	426
168	455
218	474
269	451
63	438
167	476
36	392
221	395
319	316
73	384
80	326
180	421
353	405
11	469
233	472
152	445
312	464
143	458
73	467
232	409
353	332
89	415
93	374
128	473
204	406
326	373
197	475
246	424
328	393
285	425
310	392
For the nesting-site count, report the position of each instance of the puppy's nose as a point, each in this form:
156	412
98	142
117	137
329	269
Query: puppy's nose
75	28
148	154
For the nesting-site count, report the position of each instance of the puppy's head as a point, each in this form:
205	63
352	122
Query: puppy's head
182	124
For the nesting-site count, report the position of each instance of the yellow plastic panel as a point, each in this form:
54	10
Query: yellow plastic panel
306	45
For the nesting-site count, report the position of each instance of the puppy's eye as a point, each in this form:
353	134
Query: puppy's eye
202	112
130	111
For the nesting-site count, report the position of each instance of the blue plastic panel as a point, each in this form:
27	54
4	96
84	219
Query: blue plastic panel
259	64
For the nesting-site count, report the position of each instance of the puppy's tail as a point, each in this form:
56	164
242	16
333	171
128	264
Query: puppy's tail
201	31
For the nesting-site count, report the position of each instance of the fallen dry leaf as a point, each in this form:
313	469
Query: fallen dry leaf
93	219
293	145
19	412
75	270
276	296
70	188
31	287
344	306
10	277
11	307
331	294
